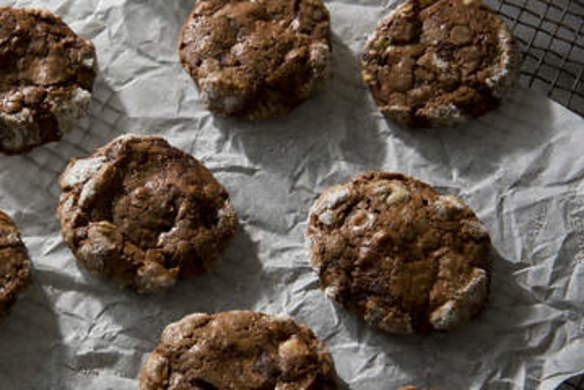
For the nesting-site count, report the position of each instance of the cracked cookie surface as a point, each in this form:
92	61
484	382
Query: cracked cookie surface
238	350
399	255
256	59
144	213
15	266
46	78
439	62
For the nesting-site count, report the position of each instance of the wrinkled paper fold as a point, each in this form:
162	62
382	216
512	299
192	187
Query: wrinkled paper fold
520	167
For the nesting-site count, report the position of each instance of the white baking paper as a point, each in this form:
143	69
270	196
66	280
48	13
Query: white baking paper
521	168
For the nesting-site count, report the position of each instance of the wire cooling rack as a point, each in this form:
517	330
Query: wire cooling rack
551	35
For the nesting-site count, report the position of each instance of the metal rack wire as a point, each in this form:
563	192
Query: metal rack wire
551	35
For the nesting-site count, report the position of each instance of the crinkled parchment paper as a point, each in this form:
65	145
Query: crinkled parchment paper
521	168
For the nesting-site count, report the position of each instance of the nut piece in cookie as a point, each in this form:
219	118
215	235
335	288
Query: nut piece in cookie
238	350
143	213
46	78
399	255
438	63
256	59
15	265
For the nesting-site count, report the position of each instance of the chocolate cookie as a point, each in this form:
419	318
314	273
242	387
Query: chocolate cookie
143	213
14	263
256	59
238	350
46	78
399	255
439	62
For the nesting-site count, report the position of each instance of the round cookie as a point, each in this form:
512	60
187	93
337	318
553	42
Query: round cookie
256	59
14	264
46	78
144	213
399	255
439	62
238	350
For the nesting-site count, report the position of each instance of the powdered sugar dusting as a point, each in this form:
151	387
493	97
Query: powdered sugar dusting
460	309
216	94
448	206
152	276
295	23
331	292
329	200
446	316
17	130
451	202
79	171
87	192
320	66
89	62
475	228
475	291
70	109
155	368
445	114
505	71
439	62
282	318
397	193
332	198
319	53
98	246
176	377
361	220
182	328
